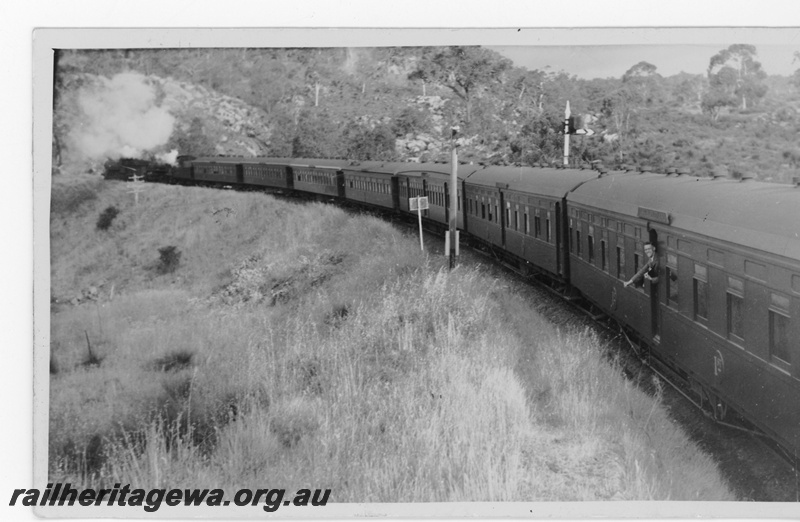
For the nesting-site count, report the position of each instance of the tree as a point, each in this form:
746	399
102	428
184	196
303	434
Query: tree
316	136
796	75
689	89
369	143
464	70
641	83
735	71
714	100
640	70
194	140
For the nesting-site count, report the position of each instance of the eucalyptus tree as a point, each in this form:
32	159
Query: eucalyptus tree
463	70
735	72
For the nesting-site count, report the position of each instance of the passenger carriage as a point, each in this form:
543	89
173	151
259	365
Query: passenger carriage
521	210
725	310
319	176
433	180
372	182
267	172
218	170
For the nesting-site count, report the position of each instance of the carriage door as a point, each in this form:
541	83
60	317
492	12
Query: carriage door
559	241
503	221
395	193
655	309
339	176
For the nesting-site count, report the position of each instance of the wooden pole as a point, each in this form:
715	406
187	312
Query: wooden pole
566	135
453	204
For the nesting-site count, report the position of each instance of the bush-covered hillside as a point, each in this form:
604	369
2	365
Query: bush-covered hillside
401	103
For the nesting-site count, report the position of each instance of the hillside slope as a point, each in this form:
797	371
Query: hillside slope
208	338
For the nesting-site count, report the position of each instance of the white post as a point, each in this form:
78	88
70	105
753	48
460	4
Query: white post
566	135
137	186
452	247
419	215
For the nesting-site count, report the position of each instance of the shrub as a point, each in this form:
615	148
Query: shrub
170	258
107	218
70	192
364	143
411	121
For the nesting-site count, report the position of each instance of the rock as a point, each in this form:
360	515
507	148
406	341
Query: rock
416	145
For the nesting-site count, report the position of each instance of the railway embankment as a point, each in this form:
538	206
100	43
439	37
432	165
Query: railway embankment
209	338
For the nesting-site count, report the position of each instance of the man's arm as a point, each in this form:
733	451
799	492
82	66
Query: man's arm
637	276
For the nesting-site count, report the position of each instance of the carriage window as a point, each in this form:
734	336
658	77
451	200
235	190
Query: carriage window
571	239
735	317
590	239
516	219
537	226
620	262
483	211
700	287
672	279
779	336
547	224
527	222
603	256
508	214
578	242
496	212
735	297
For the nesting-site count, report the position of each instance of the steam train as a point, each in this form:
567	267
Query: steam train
724	315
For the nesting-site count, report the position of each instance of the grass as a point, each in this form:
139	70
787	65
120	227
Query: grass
298	342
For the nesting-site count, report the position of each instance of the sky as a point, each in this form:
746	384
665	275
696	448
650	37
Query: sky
613	60
602	52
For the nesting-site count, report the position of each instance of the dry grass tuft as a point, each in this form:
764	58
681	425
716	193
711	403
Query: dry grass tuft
173	362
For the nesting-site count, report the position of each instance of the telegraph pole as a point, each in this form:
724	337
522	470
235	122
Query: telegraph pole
137	181
566	134
453	233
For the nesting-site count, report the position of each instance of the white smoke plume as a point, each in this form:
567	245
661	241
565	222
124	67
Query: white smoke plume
120	118
170	157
